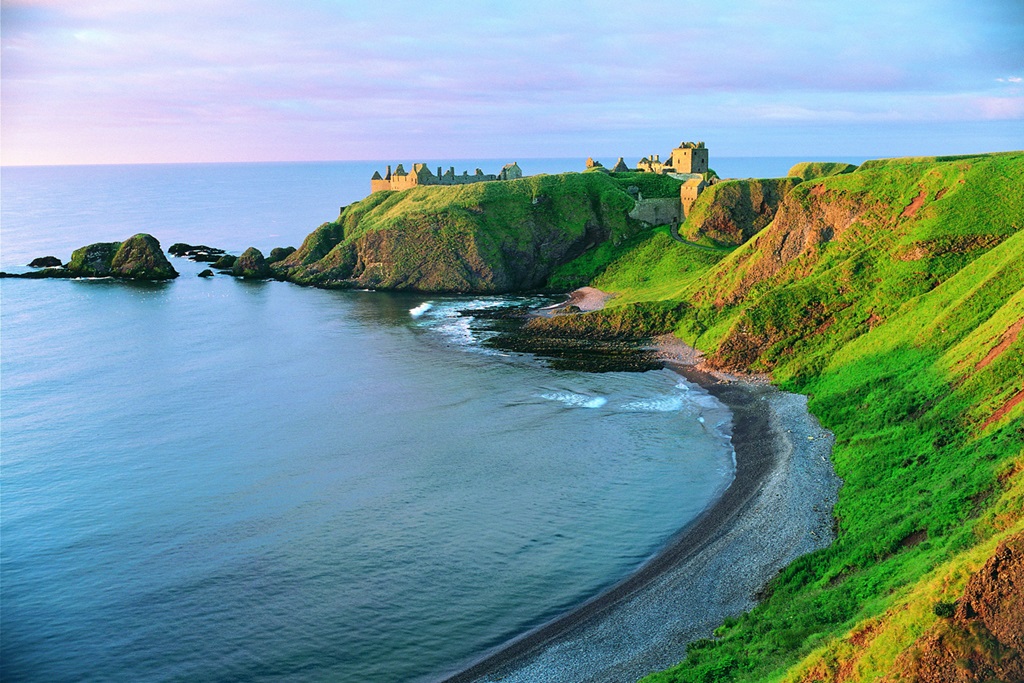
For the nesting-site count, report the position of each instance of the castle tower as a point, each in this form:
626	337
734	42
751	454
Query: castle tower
689	157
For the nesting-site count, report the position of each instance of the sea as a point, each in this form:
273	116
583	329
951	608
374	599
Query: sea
215	479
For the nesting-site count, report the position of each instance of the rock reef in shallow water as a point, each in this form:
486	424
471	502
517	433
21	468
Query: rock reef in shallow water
225	262
251	265
200	253
140	258
137	258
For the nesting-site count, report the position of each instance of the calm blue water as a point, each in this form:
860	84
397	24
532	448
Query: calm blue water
227	480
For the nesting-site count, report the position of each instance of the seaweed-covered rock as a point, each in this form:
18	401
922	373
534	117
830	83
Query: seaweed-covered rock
137	258
251	264
93	260
195	252
206	273
46	262
225	262
140	258
279	254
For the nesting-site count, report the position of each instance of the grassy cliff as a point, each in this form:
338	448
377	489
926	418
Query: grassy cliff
482	237
812	170
892	296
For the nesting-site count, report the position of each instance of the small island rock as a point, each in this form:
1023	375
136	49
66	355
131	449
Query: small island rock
206	273
251	264
93	260
140	258
195	252
225	262
46	262
137	258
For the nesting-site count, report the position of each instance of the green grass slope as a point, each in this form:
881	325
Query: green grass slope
812	170
892	296
482	237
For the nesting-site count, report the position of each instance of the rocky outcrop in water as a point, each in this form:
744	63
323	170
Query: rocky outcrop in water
46	262
225	262
251	265
199	253
140	258
93	260
137	258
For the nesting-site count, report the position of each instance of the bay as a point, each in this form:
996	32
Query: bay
218	479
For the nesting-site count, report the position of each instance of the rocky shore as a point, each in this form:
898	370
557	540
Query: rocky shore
778	507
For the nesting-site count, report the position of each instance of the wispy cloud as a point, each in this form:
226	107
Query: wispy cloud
151	80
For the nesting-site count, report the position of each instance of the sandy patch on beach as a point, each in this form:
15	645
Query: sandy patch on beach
586	299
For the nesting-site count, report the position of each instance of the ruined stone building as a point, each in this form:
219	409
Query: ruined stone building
421	175
688	163
688	157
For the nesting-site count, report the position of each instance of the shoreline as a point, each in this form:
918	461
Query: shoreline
778	507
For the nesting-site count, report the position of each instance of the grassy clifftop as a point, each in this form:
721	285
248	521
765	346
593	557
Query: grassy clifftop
892	296
483	237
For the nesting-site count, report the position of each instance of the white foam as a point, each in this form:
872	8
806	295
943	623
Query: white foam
576	400
662	404
420	310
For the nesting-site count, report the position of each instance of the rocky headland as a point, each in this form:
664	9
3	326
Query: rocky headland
891	295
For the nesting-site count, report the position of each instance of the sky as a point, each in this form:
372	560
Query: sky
147	81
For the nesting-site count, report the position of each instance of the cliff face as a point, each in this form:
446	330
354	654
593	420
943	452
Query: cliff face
731	212
486	237
984	638
843	253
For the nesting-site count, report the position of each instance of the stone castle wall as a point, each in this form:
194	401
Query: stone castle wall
421	175
660	211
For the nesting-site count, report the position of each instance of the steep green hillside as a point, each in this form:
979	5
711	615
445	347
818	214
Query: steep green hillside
892	296
483	237
731	212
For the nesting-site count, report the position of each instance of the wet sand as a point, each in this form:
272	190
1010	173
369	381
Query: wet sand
778	507
585	299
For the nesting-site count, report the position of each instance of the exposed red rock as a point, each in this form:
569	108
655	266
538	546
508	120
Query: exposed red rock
984	639
1005	342
915	205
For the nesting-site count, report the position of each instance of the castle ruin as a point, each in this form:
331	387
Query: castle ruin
421	175
687	158
688	162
